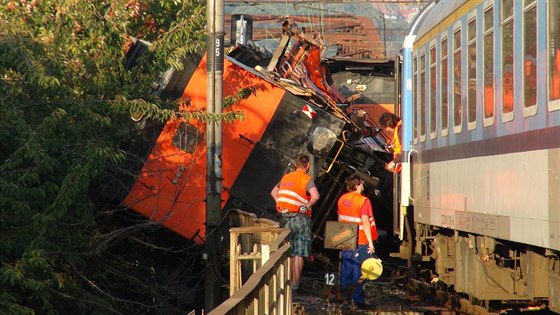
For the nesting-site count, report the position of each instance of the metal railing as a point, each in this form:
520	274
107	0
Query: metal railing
268	289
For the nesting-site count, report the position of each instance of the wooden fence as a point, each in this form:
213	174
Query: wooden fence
263	251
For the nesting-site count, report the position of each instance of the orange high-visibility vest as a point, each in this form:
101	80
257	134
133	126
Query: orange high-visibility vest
292	193
397	147
555	77
349	206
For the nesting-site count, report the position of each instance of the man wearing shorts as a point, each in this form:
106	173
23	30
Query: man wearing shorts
294	195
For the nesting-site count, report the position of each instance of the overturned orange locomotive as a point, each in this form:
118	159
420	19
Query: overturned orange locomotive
294	107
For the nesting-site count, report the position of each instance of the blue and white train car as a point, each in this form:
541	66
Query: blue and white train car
480	183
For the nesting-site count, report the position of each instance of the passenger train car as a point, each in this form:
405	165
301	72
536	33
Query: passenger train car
480	182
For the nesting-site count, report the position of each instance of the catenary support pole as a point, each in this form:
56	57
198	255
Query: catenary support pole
215	66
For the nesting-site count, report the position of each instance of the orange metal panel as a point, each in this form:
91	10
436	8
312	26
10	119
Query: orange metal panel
172	185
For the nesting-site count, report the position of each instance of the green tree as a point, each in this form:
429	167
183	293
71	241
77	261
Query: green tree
65	106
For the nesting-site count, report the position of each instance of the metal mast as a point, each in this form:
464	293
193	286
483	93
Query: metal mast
215	68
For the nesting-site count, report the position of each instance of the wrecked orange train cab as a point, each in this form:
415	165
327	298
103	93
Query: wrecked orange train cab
171	186
291	109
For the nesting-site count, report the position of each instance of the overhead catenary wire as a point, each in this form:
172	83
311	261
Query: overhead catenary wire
321	17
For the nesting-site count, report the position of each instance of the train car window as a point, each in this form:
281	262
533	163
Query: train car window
471	74
507	9
432	90
415	99
187	137
423	88
488	66
530	59
444	90
507	60
554	55
457	105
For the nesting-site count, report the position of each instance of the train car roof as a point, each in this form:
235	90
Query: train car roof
439	12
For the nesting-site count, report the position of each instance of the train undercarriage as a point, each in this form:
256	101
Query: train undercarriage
494	273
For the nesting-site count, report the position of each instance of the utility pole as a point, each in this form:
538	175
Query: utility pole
215	69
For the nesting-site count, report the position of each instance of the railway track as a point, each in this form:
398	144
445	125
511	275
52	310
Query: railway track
399	290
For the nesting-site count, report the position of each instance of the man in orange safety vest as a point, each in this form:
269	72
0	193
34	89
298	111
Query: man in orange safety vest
353	207
294	195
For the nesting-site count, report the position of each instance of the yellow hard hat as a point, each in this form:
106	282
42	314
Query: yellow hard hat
372	268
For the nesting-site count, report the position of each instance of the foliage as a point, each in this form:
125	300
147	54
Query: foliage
65	106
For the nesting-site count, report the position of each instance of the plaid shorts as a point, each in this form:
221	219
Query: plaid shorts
300	233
